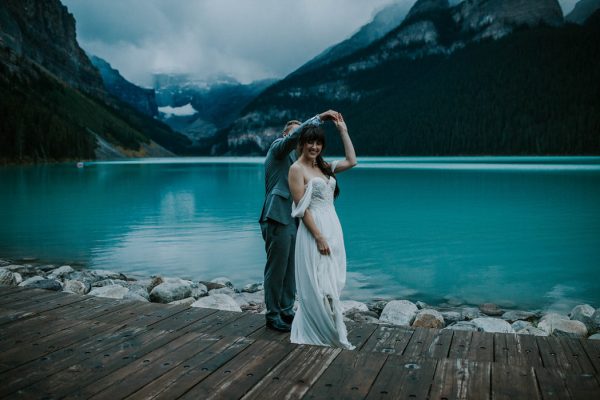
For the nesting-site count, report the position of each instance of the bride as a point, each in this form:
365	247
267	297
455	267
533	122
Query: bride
320	256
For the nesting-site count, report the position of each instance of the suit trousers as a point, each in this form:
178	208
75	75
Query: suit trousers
280	279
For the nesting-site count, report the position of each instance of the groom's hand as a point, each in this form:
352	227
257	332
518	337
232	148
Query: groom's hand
329	115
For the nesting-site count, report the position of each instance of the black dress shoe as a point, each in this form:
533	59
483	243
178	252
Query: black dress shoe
278	325
288	319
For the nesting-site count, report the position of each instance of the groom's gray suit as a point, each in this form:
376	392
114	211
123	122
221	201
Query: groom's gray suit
278	227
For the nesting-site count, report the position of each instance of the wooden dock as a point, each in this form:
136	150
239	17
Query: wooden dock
57	345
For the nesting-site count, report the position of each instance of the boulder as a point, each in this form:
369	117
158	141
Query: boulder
428	318
61	273
223	281
77	287
253	287
491	309
133	296
218	301
583	313
595	336
421	305
31	280
184	302
211	285
486	324
250	301
7	278
149	283
111	292
108	282
48	284
199	290
138	290
532	330
22	269
516	315
368	317
463	326
84	276
453	301
104	274
470	313
451	316
519	325
563	327
399	312
596	321
377	306
353	306
18	278
167	292
224	290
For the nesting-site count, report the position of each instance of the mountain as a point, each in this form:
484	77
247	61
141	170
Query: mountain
582	11
479	77
384	21
143	100
52	99
199	108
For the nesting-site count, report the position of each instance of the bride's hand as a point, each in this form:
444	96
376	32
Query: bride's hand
340	124
323	246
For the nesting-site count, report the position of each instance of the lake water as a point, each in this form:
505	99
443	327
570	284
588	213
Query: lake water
520	232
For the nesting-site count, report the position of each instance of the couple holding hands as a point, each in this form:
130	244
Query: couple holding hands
306	258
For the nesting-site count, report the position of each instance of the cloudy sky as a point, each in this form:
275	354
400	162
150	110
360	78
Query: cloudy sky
246	39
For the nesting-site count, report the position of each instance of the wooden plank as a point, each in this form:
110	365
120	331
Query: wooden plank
461	379
127	313
582	386
10	316
183	320
528	351
248	368
358	334
577	355
390	340
481	347
243	326
551	383
9	290
15	300
180	379
552	353
86	308
50	363
401	378
592	349
42	305
459	348
34	331
419	344
135	375
98	365
214	322
440	345
295	374
511	382
265	333
156	313
350	376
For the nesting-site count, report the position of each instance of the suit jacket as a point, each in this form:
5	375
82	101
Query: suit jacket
281	155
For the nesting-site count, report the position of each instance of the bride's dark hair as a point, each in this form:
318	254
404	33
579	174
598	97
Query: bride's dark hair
312	133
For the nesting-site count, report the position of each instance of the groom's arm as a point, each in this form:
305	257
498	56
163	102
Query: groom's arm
282	147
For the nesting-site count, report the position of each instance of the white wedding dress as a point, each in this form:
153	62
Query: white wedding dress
319	278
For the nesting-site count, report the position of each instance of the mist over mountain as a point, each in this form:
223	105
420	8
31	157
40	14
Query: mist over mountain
479	77
582	11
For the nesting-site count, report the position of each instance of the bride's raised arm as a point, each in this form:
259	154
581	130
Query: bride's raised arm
350	160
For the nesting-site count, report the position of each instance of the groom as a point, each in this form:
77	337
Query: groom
279	228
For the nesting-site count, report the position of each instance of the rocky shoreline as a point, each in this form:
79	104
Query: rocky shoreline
582	322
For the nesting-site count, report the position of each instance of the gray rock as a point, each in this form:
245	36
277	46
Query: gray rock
46	268
224	290
199	290
463	326
22	269
595	336
138	290
104	274
454	301
491	309
150	283
368	317
520	325
532	330
61	272
31	280
253	287
223	281
428	318
170	291
109	282
218	301
212	285
377	306
596	321
48	284
486	324
4	262
563	327
516	315
583	313
77	287
421	305
111	292
7	278
353	306
18	278
184	302
133	296
451	316
84	276
399	312
250	301
470	313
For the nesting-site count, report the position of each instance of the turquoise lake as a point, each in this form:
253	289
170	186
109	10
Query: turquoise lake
522	232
